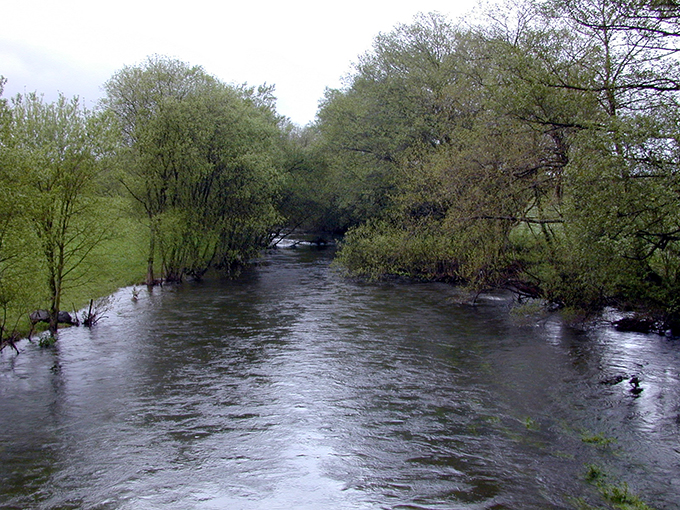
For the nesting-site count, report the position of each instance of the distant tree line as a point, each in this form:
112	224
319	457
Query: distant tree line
534	149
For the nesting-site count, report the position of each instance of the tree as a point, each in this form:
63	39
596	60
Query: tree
222	210
137	95
10	288
538	151
397	105
58	150
202	162
622	173
466	170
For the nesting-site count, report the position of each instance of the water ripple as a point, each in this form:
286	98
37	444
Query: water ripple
292	387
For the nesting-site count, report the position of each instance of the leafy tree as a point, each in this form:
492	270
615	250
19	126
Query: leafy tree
202	163
223	209
10	203
468	172
312	198
621	208
549	161
396	105
137	95
57	151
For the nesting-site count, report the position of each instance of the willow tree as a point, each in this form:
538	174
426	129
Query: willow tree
137	95
201	163
396	105
311	198
58	150
423	113
12	288
543	147
223	152
621	221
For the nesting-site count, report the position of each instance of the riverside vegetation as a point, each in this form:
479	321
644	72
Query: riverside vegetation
534	148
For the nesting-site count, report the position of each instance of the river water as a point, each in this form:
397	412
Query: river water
293	387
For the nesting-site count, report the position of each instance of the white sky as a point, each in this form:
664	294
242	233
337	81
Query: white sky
300	46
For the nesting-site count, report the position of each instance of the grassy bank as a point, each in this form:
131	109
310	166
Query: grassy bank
117	261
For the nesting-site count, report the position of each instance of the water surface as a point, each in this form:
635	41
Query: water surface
295	388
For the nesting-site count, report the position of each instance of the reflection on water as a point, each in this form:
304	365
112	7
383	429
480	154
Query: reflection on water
294	388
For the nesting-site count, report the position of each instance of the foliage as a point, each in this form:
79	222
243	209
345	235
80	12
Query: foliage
202	163
616	495
57	150
312	196
378	248
536	151
622	176
597	439
465	169
200	159
395	105
14	292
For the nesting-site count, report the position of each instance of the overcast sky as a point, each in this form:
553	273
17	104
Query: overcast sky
300	46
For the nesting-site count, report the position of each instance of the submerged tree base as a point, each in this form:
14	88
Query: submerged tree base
382	250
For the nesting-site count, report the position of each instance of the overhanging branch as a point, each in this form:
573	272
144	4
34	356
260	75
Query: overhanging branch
516	219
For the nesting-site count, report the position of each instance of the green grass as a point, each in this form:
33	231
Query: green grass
597	439
614	495
118	261
531	424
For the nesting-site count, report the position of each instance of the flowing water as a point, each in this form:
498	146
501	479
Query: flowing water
292	387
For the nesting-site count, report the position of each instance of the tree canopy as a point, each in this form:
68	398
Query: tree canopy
535	151
201	162
53	156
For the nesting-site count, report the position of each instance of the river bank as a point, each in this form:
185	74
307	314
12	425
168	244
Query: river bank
117	276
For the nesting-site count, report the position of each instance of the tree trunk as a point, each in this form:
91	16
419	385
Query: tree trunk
152	248
55	289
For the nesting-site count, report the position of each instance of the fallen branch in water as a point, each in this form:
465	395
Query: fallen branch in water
96	310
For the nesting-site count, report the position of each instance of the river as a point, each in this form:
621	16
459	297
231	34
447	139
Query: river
292	387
